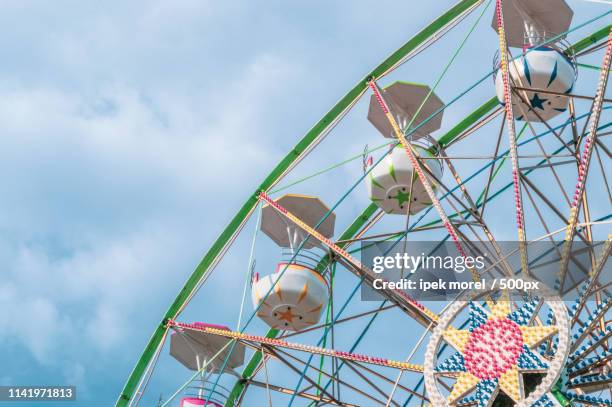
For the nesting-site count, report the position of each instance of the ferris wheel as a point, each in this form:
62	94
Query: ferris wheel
529	165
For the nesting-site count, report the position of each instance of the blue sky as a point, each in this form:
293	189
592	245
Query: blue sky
130	133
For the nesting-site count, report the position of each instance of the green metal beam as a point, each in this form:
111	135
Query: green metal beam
589	41
464	124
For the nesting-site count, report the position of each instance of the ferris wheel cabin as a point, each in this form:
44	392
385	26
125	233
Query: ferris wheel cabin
197	350
542	76
392	184
294	296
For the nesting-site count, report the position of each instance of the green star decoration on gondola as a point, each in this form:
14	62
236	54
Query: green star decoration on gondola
401	197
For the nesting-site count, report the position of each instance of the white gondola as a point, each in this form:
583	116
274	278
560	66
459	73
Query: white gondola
392	184
542	68
543	73
297	299
293	297
395	188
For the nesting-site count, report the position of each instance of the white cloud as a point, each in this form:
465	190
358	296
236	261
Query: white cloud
31	319
107	196
75	375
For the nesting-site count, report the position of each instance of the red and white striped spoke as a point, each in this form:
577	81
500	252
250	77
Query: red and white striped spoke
422	177
262	340
585	159
430	315
520	220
